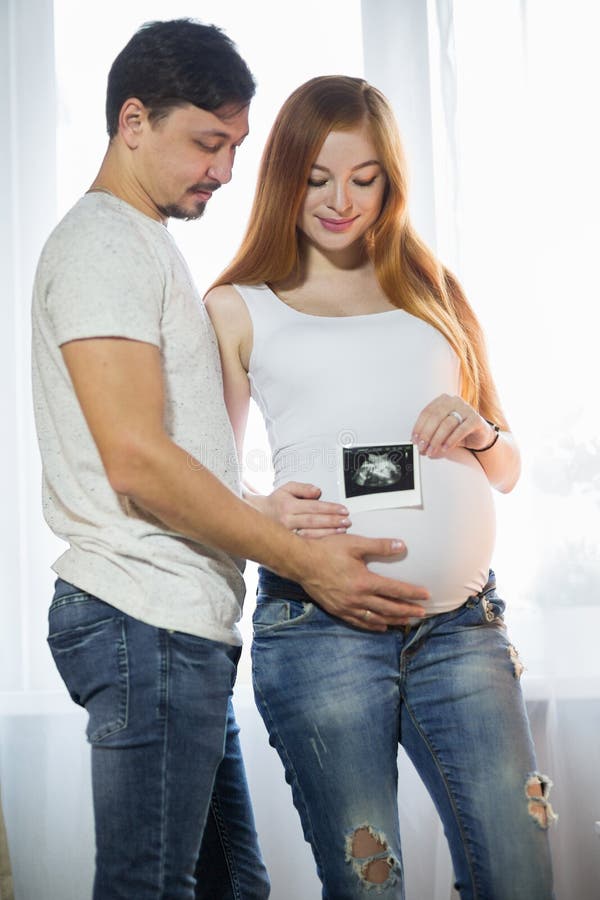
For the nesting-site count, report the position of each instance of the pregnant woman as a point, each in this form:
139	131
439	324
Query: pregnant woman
369	367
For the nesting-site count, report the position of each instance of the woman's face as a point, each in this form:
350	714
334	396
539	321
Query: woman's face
345	191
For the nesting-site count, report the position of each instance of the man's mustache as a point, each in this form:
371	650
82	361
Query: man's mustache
212	187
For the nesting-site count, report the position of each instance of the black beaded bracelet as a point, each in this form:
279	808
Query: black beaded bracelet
495	438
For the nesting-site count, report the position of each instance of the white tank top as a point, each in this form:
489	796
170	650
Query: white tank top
322	382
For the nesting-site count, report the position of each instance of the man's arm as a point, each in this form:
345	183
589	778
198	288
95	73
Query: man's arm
119	386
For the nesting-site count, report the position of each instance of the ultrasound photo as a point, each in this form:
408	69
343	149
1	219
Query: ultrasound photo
380	476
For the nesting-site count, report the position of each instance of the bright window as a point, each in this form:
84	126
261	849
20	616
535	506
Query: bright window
519	194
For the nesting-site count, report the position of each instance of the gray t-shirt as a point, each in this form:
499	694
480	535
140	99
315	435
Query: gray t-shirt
107	270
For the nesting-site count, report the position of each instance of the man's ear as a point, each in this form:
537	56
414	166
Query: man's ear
132	119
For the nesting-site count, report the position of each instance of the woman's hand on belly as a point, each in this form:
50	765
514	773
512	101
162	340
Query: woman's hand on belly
297	507
449	422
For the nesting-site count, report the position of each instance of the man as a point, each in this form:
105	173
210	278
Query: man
141	479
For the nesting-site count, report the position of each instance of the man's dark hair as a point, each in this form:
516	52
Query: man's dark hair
169	64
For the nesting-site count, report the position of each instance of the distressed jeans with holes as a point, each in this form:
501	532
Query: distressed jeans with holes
164	748
337	702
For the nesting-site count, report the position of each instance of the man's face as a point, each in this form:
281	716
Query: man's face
187	155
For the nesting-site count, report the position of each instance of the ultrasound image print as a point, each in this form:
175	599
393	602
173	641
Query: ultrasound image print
377	470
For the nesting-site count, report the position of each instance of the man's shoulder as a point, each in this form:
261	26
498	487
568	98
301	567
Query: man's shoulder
100	275
100	236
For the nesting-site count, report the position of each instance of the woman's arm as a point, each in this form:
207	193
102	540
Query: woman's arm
295	505
233	327
438	430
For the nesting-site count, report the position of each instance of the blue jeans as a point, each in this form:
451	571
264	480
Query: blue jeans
171	804
337	702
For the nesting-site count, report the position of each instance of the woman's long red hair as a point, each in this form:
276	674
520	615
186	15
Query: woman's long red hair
408	272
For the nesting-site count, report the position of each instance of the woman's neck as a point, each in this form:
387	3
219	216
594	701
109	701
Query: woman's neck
315	260
322	287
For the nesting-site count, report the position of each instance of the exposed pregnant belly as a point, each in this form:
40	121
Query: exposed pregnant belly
449	540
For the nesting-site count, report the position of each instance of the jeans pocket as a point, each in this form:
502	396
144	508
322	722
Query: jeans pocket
273	614
90	651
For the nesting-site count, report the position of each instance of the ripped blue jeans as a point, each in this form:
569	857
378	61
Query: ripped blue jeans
337	702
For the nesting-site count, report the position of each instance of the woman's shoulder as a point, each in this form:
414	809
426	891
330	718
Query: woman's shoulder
222	293
228	311
236	294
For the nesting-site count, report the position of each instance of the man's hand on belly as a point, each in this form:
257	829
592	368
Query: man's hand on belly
340	582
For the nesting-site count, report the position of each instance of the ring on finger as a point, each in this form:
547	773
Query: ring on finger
457	416
366	614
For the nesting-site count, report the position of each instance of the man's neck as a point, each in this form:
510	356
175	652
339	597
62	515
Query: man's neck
114	178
